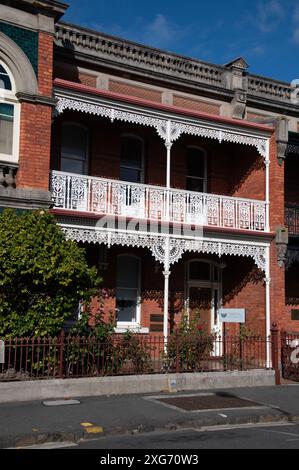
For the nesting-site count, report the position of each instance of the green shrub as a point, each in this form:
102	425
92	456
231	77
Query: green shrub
189	347
43	276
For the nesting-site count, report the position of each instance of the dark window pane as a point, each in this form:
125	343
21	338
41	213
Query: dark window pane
131	175
6	110
127	283
5	82
199	271
74	142
6	128
127	272
71	165
195	162
195	184
2	69
126	304
131	152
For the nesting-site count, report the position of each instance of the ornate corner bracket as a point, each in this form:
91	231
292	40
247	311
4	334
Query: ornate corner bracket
282	239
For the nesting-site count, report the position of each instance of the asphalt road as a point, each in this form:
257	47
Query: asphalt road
260	437
236	437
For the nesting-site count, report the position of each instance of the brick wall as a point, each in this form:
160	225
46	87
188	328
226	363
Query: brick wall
277	274
243	287
26	39
132	90
196	105
35	125
35	140
45	64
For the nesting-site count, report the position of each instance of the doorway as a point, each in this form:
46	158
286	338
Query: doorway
203	294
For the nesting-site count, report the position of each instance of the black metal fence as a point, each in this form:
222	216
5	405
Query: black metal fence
290	356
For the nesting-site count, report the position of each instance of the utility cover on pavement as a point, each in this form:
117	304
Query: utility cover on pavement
61	402
207	402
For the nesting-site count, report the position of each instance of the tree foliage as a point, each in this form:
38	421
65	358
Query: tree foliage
43	276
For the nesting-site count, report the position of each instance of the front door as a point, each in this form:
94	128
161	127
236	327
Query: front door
203	294
203	306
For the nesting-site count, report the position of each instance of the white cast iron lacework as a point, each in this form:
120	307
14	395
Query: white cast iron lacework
292	257
169	131
119	198
177	246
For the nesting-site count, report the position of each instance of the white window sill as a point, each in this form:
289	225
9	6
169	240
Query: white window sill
133	328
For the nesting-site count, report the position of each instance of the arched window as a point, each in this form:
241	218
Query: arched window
131	159
74	148
9	117
128	290
5	82
196	169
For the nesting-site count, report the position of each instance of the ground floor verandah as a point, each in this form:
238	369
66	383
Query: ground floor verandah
199	285
152	280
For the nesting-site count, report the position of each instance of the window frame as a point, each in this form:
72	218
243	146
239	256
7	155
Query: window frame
205	177
133	324
136	137
9	97
86	161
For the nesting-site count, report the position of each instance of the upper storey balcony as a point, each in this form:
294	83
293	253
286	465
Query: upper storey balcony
127	158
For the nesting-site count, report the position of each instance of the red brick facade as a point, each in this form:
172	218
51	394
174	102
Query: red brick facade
232	170
35	125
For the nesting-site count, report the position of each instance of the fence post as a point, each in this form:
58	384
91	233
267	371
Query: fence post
284	358
61	356
177	353
275	354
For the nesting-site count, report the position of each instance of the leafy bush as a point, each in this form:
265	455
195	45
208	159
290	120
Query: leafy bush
189	346
133	351
43	276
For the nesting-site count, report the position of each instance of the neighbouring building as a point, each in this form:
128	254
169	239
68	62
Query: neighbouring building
178	176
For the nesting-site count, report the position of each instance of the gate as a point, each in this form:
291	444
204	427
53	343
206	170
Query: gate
290	356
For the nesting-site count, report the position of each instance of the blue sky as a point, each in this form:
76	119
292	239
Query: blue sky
264	32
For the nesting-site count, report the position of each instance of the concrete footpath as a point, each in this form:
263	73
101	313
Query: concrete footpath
24	424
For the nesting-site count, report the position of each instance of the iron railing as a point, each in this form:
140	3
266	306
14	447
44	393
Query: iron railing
78	356
290	356
119	198
292	218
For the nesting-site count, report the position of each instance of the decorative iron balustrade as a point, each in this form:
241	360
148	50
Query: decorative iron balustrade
292	218
119	198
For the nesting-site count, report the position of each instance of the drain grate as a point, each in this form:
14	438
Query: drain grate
207	402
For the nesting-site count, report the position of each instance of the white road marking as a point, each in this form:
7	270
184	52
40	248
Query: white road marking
61	402
48	445
231	427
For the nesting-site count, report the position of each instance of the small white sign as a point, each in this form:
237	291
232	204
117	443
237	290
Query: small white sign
232	315
2	352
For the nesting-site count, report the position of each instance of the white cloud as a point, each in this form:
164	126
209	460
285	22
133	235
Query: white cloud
161	32
296	25
269	15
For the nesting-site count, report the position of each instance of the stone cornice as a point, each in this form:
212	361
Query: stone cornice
113	52
135	55
36	99
53	8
